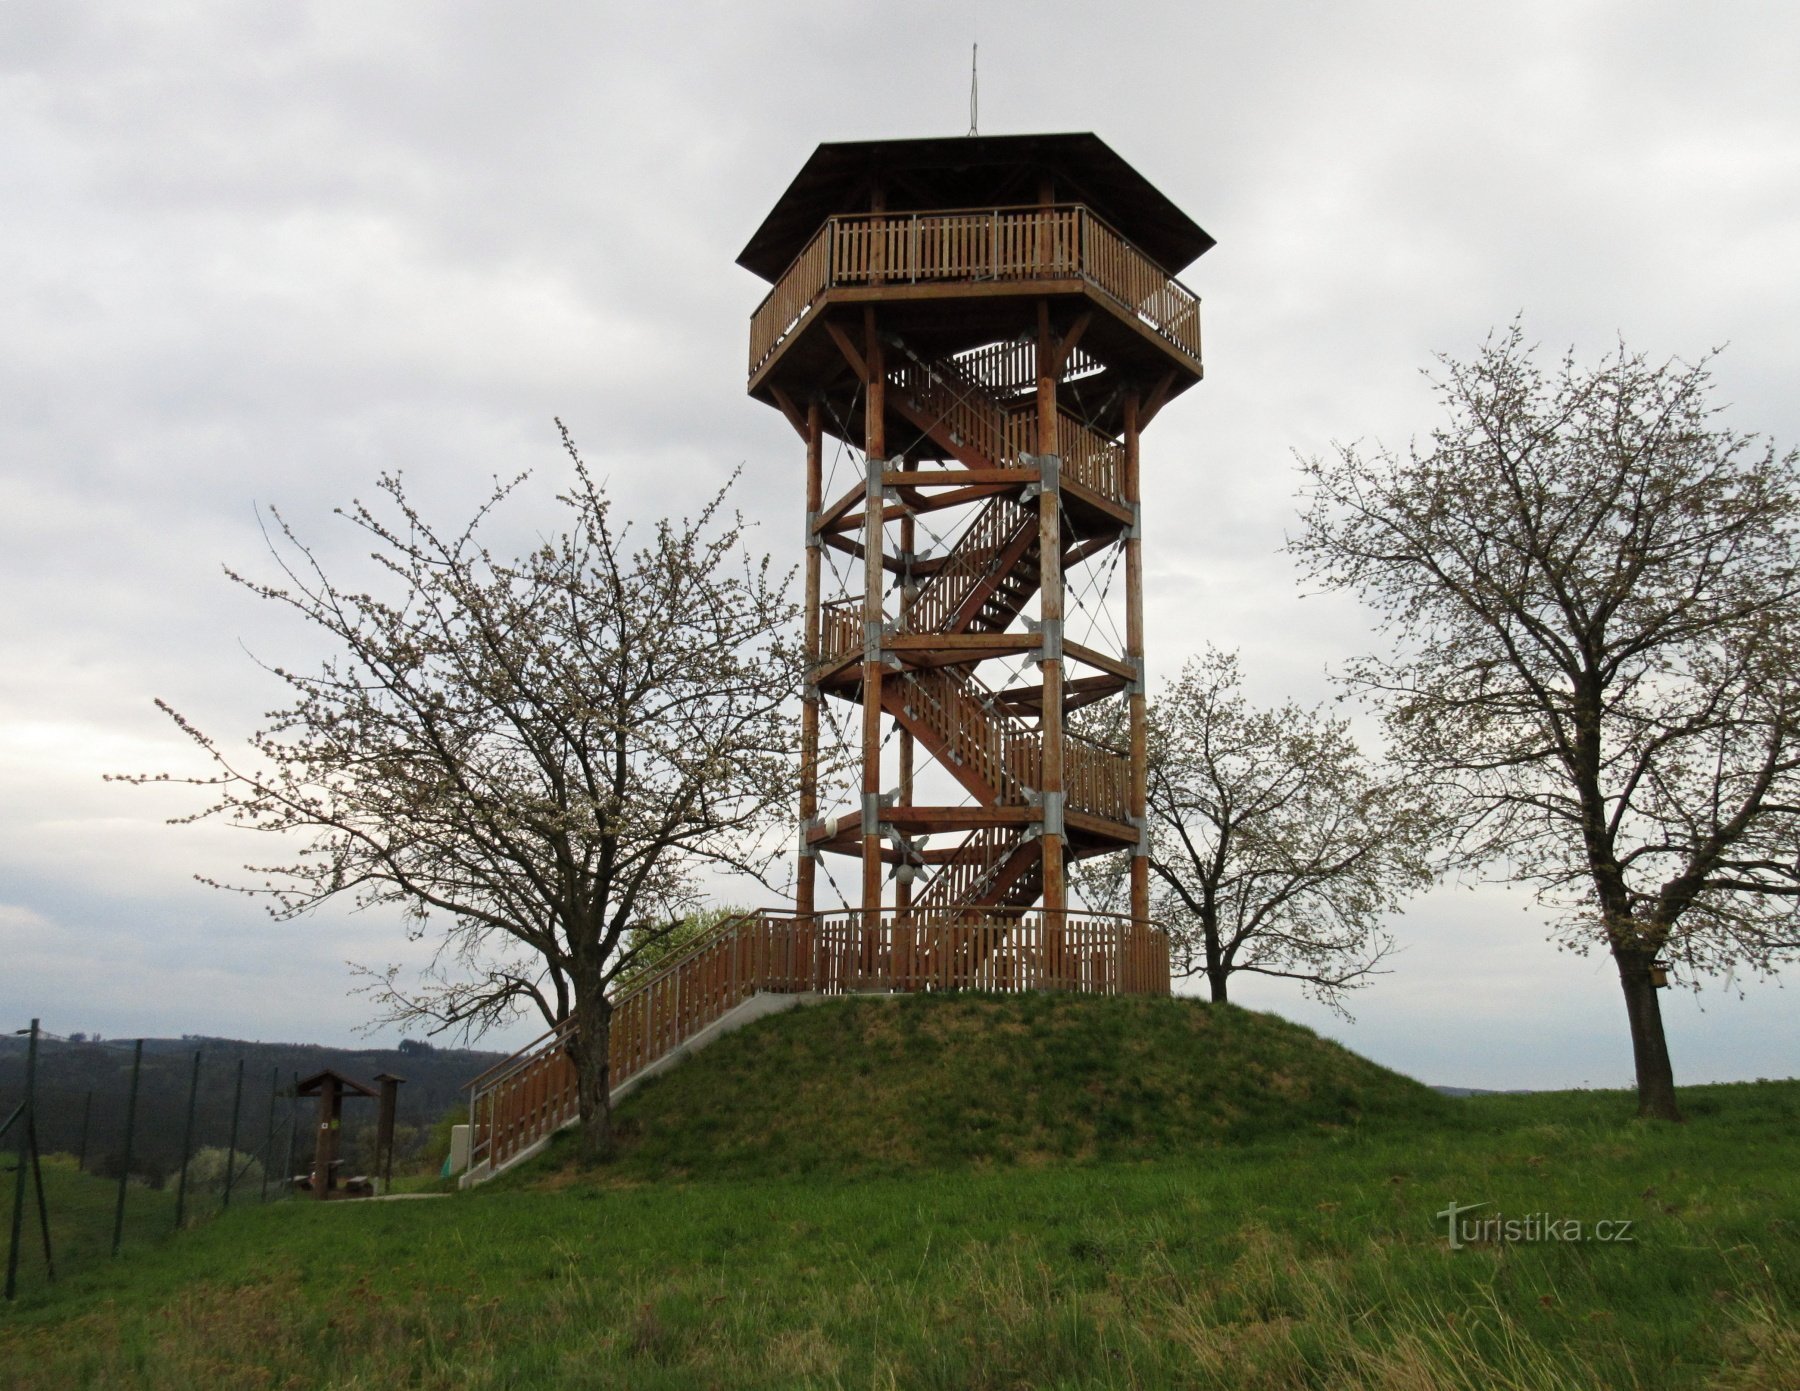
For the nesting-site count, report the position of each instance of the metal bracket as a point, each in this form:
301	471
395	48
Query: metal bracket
1051	630
1135	686
872	803
873	632
1134	530
808	851
1049	479
1140	851
1052	804
814	541
873	485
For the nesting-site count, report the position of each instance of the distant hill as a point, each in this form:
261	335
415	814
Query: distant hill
69	1071
936	1081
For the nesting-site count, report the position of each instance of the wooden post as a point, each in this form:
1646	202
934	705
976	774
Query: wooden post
384	1128
903	889
874	580
1050	608
1134	654
807	871
325	1142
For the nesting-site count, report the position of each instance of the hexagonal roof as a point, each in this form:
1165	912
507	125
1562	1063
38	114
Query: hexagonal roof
976	171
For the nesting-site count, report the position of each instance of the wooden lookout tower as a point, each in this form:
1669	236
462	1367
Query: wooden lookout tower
971	334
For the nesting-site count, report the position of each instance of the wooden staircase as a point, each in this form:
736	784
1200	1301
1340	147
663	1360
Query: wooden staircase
989	741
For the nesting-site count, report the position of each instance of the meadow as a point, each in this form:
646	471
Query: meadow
1229	1250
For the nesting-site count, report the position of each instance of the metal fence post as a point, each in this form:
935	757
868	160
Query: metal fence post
137	1067
269	1138
37	1174
22	1118
187	1144
237	1105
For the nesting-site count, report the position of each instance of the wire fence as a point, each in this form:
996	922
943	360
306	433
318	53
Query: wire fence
88	1180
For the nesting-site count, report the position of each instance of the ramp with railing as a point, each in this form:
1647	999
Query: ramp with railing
517	1105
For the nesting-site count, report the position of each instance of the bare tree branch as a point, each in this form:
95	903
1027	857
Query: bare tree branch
533	757
1590	590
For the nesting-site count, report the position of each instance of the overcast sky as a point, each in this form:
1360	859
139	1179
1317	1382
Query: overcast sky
259	253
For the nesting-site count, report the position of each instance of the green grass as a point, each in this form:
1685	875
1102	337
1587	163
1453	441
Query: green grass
1304	1255
82	1209
896	1084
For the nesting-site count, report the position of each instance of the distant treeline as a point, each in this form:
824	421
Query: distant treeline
69	1070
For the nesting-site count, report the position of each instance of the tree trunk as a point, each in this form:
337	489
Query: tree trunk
1649	1047
1218	963
591	1051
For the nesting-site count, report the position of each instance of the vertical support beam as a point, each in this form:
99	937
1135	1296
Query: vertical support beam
1050	603
1134	653
875	454
903	891
325	1141
806	873
384	1128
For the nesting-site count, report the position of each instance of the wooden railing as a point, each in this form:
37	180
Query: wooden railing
970	562
965	877
1008	371
840	630
1089	458
1005	753
533	1094
1096	778
965	410
974	734
790	300
947	393
1035	243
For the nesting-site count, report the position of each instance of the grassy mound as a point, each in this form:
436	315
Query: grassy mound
893	1084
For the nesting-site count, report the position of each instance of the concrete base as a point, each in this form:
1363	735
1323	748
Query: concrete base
758	1006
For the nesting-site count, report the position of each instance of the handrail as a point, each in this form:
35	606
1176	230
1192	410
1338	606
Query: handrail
557	1030
511	1062
1093	251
